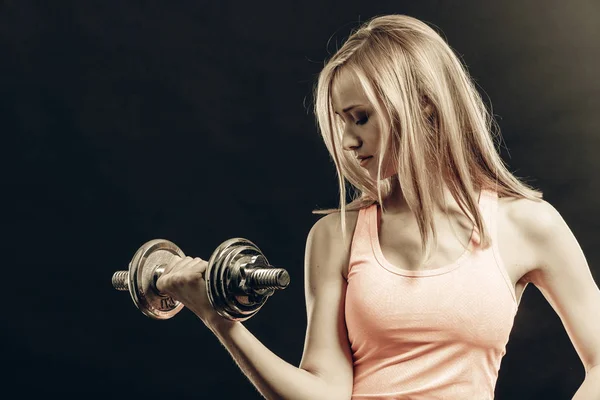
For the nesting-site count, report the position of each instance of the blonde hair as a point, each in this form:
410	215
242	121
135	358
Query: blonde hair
432	120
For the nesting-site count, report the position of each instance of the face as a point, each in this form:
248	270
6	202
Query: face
361	135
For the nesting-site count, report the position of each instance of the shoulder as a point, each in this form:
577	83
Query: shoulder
535	218
540	226
331	224
325	238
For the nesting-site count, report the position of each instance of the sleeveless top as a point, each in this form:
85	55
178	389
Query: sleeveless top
430	334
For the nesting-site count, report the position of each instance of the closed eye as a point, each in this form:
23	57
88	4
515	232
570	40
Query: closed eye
362	121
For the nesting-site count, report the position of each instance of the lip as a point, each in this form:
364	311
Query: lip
365	161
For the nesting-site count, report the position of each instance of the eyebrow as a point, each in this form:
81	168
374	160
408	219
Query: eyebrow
348	108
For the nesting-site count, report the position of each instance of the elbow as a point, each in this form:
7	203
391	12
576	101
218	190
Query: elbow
330	389
338	392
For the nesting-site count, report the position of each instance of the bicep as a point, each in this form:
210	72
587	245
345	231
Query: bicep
326	348
565	280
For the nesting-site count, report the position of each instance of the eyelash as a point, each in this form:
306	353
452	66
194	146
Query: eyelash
362	121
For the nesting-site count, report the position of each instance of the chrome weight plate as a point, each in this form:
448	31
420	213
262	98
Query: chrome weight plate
225	273
148	300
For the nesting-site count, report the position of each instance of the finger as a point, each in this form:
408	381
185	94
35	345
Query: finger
175	264
199	266
182	264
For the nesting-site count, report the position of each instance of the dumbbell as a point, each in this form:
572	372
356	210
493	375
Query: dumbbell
239	279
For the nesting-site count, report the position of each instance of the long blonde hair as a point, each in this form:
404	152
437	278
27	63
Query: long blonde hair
432	120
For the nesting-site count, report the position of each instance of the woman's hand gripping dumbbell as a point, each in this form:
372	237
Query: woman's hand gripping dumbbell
183	280
234	284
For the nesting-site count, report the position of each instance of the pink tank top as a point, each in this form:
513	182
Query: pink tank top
433	334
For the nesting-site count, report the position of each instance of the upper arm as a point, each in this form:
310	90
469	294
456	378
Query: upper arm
564	278
326	348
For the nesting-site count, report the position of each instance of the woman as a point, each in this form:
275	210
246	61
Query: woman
391	316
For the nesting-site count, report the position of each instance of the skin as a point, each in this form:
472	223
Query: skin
555	265
362	136
558	267
183	279
361	129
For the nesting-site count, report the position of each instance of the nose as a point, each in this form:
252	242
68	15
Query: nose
350	141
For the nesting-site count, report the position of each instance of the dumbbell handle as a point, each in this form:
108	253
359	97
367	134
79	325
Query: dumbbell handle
256	278
238	277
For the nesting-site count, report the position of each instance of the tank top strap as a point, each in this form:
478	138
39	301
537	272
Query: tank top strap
491	212
367	221
488	204
360	249
362	222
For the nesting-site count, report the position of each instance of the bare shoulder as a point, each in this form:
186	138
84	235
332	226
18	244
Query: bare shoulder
332	222
327	231
533	217
530	221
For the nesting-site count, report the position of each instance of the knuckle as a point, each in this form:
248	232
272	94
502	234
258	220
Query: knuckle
177	280
201	262
162	284
181	280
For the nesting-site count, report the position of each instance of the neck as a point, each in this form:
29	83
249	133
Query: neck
396	204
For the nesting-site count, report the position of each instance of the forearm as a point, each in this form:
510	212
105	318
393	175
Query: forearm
272	376
590	388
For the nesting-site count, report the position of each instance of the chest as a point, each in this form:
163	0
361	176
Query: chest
400	243
470	306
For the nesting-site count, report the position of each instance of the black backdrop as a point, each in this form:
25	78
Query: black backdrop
125	121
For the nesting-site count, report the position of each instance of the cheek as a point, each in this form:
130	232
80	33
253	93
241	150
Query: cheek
392	169
388	168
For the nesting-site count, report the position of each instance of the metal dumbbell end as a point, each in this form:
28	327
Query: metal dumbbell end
238	279
145	268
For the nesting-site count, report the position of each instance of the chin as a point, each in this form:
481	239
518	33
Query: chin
384	176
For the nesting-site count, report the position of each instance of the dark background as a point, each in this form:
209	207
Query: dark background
125	121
